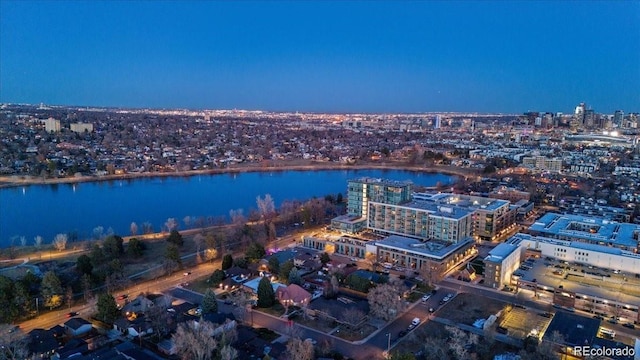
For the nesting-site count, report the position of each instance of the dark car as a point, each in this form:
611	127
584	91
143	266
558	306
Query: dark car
598	317
502	330
402	333
629	325
72	314
546	314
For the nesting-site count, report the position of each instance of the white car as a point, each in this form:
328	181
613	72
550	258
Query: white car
415	321
425	298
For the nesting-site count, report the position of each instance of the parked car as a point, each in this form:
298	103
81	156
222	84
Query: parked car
431	310
415	321
426	297
402	333
629	325
72	314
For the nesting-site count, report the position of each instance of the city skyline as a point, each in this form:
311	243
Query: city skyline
381	57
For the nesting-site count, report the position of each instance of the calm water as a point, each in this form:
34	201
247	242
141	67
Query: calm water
47	210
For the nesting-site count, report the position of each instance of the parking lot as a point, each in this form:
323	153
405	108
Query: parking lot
520	322
592	282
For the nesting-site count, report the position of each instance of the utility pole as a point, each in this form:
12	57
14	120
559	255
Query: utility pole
388	344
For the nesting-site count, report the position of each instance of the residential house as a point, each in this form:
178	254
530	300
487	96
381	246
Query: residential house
77	326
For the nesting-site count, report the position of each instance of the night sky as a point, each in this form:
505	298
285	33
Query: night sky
410	56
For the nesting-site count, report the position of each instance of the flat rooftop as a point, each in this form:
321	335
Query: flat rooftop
379	181
431	249
465	201
576	329
599	229
446	211
612	287
349	219
500	252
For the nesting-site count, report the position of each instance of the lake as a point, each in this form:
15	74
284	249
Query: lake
47	210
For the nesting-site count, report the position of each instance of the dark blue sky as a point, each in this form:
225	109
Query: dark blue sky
323	56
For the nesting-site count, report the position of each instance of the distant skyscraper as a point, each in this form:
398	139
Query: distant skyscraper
589	119
579	114
437	123
618	117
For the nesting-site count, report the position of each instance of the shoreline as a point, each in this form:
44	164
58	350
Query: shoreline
26	180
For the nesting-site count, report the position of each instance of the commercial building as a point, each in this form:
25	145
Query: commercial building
501	262
595	278
433	259
589	230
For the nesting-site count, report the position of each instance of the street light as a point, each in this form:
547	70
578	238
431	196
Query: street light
388	343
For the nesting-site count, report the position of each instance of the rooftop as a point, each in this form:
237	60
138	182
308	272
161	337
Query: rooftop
430	249
379	181
576	330
498	253
465	201
593	229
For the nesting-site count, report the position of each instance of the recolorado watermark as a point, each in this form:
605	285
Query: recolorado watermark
604	351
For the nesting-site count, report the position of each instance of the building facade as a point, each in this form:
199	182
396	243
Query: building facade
501	262
432	259
420	219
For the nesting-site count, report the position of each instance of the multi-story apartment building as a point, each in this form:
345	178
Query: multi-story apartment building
542	163
81	127
51	125
360	192
491	217
421	219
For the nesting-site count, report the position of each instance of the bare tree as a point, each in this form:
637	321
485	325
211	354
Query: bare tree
228	353
160	320
266	207
198	240
237	217
194	341
98	232
60	242
37	241
298	349
14	343
133	228
459	341
147	228
385	301
171	224
435	348
353	317
23	241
